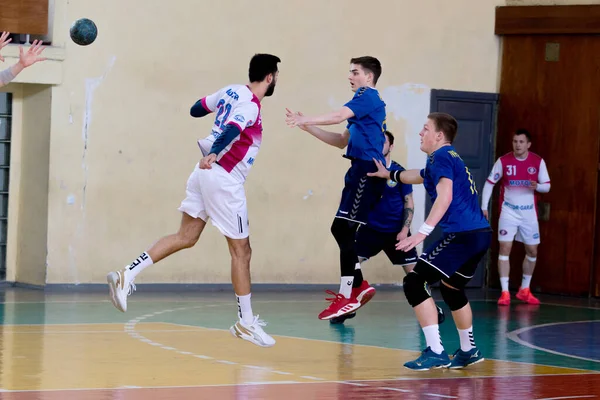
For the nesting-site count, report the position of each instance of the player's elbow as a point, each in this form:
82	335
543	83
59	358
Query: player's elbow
198	110
343	142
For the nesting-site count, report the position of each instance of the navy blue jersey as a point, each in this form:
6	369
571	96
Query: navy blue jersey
464	213
367	126
388	214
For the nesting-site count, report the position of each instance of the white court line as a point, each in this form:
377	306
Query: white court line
514	336
414	351
129	328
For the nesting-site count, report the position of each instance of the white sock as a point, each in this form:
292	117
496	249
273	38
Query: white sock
346	286
526	281
467	342
245	309
433	339
504	283
139	264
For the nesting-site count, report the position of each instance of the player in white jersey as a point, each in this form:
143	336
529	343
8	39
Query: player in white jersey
215	191
26	59
522	174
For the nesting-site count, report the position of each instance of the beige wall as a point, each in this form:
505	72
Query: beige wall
122	143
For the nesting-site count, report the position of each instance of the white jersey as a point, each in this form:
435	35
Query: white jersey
235	104
517	199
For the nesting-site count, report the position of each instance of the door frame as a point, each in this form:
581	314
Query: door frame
471	97
557	20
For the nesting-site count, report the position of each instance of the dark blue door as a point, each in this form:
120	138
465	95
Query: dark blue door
476	116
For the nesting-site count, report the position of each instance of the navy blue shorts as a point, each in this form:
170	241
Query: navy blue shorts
361	192
454	258
370	242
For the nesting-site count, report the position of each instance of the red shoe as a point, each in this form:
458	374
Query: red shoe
526	296
339	305
363	293
504	299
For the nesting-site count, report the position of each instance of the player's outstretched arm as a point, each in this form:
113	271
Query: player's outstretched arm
331	138
26	59
332	118
4	40
409	176
339	140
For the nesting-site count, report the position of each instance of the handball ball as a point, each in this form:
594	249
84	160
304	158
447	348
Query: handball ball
83	31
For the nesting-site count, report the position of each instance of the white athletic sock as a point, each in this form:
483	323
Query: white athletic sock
504	283
346	286
139	264
526	281
433	339
467	342
245	309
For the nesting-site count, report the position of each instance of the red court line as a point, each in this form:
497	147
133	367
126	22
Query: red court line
492	388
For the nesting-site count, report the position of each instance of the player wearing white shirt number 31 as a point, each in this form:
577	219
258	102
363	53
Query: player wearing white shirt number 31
522	174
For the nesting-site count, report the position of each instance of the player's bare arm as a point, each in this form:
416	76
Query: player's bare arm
439	208
4	40
409	176
26	59
332	118
409	209
335	139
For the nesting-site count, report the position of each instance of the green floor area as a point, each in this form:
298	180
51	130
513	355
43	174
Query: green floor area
387	321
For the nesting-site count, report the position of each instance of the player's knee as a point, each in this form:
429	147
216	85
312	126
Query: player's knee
455	298
415	289
531	252
188	237
240	249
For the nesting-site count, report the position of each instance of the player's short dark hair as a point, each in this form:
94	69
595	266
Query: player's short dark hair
390	137
261	65
370	64
525	132
445	123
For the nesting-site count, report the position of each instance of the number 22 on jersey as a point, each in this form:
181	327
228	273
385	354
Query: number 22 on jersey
224	110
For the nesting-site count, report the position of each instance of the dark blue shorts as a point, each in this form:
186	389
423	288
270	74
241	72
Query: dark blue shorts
370	242
361	192
454	258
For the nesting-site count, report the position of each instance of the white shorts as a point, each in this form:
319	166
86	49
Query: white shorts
215	194
526	230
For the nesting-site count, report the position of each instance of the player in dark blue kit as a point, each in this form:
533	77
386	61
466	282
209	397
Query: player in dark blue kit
389	222
454	258
364	138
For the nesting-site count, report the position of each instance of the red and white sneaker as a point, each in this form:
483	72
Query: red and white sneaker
339	305
363	293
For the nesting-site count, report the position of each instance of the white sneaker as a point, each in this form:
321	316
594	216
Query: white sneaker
120	286
253	333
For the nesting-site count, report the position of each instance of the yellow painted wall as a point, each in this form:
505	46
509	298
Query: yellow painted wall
122	142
